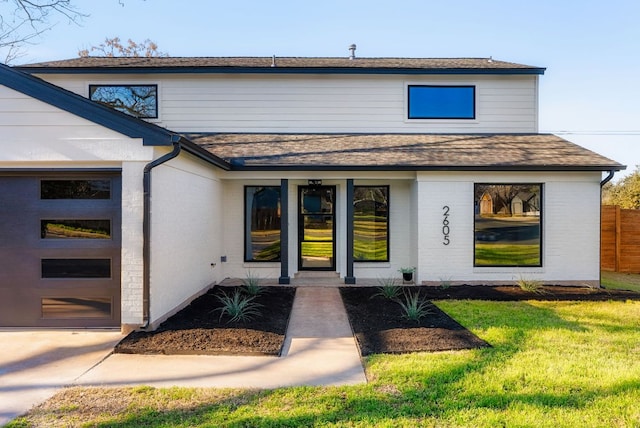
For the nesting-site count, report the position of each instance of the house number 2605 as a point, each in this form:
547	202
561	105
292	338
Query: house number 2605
445	225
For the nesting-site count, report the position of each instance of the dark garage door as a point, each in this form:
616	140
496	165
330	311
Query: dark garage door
60	250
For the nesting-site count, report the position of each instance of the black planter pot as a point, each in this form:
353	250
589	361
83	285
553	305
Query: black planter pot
407	276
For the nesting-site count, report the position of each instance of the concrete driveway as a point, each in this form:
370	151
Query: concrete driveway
36	363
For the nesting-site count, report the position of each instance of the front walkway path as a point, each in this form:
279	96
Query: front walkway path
319	350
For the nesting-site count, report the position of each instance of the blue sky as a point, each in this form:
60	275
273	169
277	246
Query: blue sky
589	94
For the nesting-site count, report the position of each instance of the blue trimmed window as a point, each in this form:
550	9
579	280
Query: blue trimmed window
136	100
441	102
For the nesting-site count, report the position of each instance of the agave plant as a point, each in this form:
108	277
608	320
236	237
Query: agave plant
414	307
531	285
252	285
388	288
238	307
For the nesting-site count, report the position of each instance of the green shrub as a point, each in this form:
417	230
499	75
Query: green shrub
445	283
530	285
389	288
252	285
238	307
414	307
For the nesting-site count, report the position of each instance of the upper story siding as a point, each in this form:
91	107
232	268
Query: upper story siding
321	103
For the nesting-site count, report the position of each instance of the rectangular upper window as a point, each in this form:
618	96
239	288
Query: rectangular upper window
508	225
441	102
371	223
136	100
262	223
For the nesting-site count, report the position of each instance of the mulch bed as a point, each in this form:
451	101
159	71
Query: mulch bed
379	326
514	293
377	322
197	329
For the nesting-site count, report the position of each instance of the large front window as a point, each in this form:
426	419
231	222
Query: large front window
262	223
371	223
507	225
136	100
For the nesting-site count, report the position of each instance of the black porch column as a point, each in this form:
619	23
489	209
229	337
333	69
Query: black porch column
284	232
349	278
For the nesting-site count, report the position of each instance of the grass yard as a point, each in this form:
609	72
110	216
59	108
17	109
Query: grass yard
621	281
552	364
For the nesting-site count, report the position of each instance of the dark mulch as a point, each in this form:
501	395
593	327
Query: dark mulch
513	293
377	322
379	326
197	329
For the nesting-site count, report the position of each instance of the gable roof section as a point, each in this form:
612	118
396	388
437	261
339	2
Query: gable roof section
82	107
278	65
112	119
438	152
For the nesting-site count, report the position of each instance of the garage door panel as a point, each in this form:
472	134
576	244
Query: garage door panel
56	268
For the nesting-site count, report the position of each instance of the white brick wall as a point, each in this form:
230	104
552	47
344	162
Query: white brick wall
186	232
570	239
132	268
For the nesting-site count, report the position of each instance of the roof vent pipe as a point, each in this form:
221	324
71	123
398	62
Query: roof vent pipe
352	48
273	61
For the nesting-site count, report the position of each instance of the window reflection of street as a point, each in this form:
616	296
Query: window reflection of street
318	228
263	213
522	230
507	225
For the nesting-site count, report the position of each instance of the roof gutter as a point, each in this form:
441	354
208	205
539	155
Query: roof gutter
608	177
146	226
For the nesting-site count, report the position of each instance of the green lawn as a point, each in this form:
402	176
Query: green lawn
621	281
552	364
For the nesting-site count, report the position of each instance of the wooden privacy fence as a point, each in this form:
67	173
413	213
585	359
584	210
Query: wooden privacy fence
620	240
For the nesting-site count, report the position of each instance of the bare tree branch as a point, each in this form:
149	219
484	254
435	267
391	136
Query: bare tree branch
114	47
22	21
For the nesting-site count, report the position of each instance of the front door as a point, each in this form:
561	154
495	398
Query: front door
316	228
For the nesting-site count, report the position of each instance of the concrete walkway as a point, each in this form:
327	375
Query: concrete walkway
319	350
34	364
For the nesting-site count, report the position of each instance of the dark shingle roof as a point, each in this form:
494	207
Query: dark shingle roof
403	151
284	65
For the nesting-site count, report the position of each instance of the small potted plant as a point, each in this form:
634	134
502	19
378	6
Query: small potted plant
407	273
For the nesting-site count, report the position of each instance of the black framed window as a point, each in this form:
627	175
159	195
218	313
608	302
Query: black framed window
75	229
76	307
136	100
371	223
262	223
76	268
507	226
75	189
441	102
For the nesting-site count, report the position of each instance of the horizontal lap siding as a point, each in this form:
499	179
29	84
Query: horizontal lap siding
322	103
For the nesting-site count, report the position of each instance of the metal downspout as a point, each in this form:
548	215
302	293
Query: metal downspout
146	227
607	178
602	183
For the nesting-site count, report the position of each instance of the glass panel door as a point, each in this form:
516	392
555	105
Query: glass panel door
317	230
